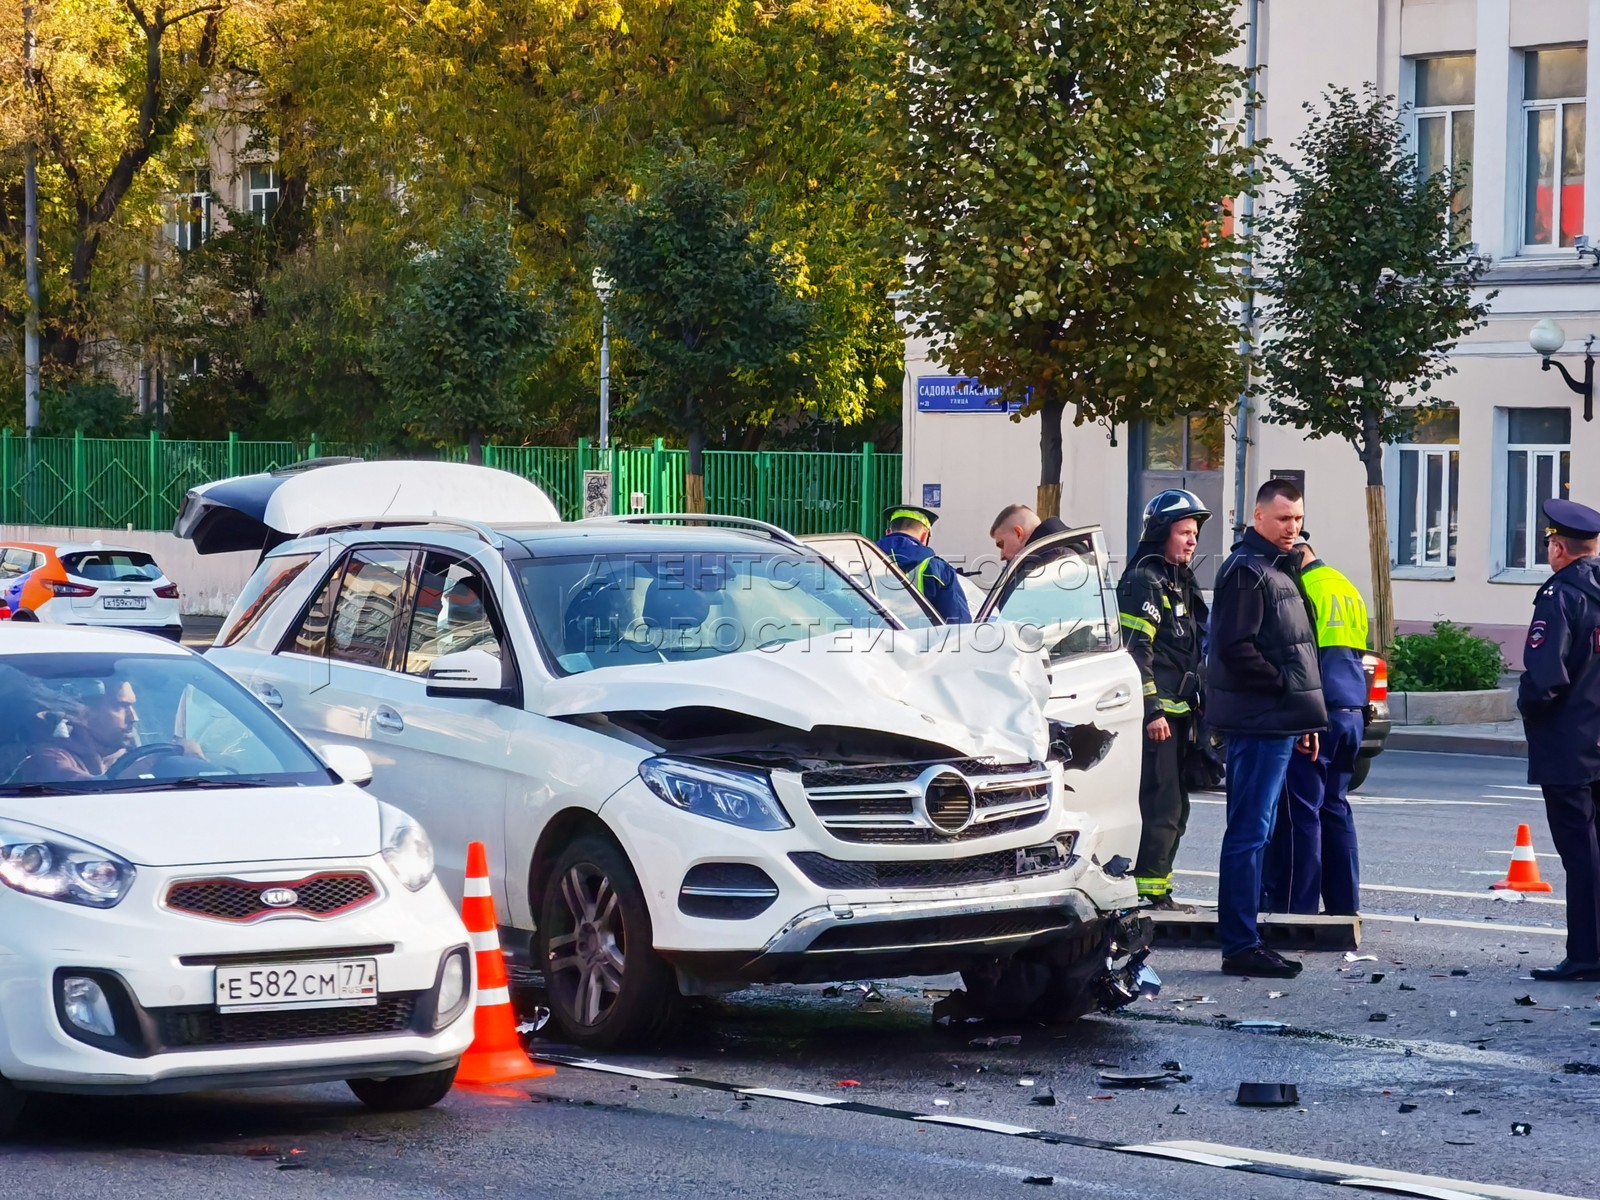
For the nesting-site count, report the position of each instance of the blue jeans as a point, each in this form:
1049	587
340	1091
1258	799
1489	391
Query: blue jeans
1312	855
1256	770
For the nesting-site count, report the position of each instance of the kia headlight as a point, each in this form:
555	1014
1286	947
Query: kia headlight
406	848
54	866
738	797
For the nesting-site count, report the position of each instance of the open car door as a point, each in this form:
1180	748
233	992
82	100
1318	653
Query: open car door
1059	592
871	570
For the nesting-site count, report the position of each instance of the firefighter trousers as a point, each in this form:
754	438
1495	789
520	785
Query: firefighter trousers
1163	807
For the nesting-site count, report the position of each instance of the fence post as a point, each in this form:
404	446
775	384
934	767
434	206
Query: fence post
658	485
233	455
80	481
764	487
490	459
869	519
5	477
312	450
152	462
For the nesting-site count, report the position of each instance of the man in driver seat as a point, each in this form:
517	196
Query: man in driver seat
104	729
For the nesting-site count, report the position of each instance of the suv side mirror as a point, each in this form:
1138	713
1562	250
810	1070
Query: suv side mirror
349	763
468	673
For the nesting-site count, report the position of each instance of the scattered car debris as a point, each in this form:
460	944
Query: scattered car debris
1179	1110
540	1018
1172	1064
1460	971
1472	1112
1376	977
1407	1107
1521	1129
1378	1016
1276	995
1267	1095
1260	1026
1581	1068
1045	1098
1103	1097
872	996
849	1083
1042	1180
941	1104
954	1006
1100	1062
1136	1079
833	991
1352	957
1408	987
1459	1142
1024	1083
1527	1001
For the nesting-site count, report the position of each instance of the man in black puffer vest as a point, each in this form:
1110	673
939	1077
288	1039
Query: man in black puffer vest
1264	691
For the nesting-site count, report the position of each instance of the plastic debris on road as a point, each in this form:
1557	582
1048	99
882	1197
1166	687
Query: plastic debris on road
1581	1068
1045	1098
849	1083
1136	1079
1521	1129
1377	1016
1042	1180
1407	1107
1352	957
1267	1095
1460	971
989	1043
1408	987
1527	1001
1259	1026
1276	995
1376	977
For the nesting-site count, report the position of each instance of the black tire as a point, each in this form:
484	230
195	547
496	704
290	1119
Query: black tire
11	1104
404	1093
1359	775
1050	985
606	985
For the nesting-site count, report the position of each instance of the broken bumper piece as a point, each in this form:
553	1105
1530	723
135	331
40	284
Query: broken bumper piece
1125	976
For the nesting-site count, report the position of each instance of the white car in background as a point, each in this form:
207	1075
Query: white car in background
190	898
88	583
701	756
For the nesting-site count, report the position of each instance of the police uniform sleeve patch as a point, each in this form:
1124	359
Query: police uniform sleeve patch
1536	633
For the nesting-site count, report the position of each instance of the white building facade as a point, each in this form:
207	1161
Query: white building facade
1499	85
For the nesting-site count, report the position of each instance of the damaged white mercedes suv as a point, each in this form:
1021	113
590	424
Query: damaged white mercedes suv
701	755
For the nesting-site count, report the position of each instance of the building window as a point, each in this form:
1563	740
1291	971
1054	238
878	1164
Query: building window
191	210
1184	444
1430	472
265	189
1553	90
1445	90
1538	463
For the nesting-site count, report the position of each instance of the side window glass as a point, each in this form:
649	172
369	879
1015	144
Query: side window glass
11	563
310	635
454	611
269	582
367	606
1058	595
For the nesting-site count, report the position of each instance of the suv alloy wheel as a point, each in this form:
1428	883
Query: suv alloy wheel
607	987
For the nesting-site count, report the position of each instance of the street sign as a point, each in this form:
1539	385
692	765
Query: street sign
932	495
958	393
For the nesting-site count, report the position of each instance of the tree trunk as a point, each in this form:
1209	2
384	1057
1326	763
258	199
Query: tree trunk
1048	503
475	447
694	483
1378	552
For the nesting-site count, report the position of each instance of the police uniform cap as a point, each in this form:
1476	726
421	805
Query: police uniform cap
1570	519
909	512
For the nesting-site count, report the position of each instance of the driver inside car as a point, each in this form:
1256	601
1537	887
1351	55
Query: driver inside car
104	728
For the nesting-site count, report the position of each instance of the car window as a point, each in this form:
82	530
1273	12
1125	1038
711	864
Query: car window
1059	595
268	582
454	611
112	566
606	610
368	603
871	570
310	633
96	722
12	563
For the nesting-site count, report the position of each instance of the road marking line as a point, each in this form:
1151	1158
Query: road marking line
1210	1154
1467	1187
1486	894
1397	918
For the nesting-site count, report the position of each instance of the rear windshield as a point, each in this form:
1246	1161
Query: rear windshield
112	566
606	610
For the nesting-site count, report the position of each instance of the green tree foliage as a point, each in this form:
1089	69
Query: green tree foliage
457	340
1367	293
1064	187
707	307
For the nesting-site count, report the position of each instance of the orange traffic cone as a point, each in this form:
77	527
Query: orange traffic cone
1524	873
496	1054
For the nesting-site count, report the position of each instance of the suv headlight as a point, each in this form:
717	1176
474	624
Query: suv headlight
54	866
737	797
406	848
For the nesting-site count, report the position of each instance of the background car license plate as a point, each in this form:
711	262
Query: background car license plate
336	983
125	601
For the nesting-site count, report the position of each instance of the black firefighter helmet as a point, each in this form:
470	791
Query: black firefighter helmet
1169	506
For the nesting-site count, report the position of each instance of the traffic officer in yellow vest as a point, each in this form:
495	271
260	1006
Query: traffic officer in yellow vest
906	542
1163	627
1312	855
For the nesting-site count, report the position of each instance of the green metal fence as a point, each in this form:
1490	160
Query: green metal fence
138	483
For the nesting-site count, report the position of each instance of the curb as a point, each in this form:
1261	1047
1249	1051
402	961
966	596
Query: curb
1416	738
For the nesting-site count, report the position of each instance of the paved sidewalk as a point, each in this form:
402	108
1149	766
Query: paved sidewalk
1502	739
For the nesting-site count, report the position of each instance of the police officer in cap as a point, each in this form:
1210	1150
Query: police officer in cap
1163	624
906	542
1560	703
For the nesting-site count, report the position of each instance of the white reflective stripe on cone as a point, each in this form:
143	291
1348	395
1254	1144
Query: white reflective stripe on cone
1522	854
476	887
489	997
484	941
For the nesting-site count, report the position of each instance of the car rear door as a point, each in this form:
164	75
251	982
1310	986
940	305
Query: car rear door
1059	592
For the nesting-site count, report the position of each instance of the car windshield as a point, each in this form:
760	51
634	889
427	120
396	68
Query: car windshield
97	722
595	611
112	566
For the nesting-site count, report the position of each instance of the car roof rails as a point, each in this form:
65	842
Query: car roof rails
483	532
775	532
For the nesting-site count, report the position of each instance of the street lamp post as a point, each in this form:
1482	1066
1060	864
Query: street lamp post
603	287
1547	338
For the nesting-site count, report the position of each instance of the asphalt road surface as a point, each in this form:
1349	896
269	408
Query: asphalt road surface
793	1092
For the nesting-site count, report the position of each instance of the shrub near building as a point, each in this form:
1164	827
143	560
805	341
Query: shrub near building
1450	659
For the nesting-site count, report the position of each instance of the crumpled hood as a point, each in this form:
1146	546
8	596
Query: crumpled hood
974	688
244	825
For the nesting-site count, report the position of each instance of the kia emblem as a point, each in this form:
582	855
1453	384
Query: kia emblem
280	897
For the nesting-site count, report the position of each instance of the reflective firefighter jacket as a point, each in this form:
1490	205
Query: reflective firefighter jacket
1164	628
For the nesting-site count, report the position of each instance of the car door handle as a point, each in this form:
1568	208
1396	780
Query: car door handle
1117	697
388	720
269	695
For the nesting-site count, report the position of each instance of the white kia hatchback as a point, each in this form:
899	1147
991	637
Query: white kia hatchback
192	899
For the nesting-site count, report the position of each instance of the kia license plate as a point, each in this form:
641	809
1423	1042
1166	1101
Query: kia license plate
126	601
336	983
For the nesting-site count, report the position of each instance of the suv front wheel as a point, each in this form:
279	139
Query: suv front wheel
606	984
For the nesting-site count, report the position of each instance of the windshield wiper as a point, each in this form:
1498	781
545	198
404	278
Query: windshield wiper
198	783
49	789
